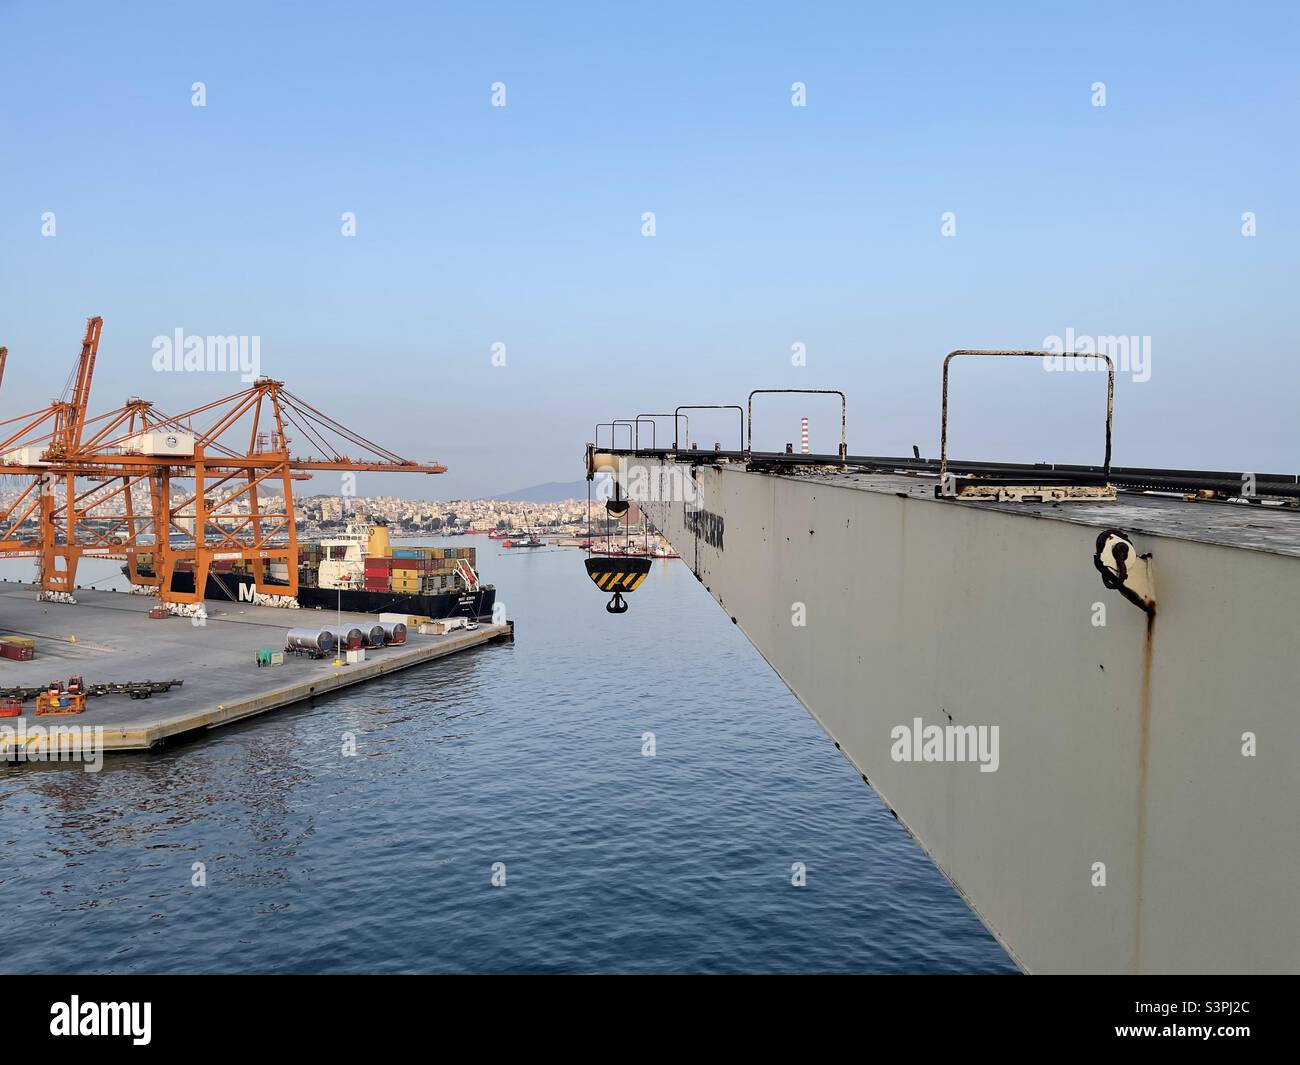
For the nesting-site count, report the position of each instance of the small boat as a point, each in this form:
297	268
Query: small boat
662	549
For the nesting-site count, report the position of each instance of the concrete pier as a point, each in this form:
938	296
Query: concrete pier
108	637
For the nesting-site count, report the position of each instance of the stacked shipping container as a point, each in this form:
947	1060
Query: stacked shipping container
416	570
377	573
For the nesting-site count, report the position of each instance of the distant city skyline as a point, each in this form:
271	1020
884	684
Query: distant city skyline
315	511
473	233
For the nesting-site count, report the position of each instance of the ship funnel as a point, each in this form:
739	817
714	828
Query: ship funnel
377	546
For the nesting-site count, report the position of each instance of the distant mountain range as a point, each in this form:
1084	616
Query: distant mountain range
551	492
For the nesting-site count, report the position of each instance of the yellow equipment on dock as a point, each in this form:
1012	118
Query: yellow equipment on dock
63	702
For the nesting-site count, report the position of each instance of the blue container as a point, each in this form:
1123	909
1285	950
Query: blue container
408	552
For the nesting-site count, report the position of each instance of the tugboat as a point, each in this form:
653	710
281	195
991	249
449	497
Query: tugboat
533	541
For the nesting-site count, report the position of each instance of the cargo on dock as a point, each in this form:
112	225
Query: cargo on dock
108	638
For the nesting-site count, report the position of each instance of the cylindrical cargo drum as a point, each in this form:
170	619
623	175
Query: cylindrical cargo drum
309	641
376	636
346	637
394	632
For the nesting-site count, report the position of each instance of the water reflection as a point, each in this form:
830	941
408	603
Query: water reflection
529	755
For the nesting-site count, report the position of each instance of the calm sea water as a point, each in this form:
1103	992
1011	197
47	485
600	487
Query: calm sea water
527	755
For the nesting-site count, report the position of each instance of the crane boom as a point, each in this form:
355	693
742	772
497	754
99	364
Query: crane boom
81	390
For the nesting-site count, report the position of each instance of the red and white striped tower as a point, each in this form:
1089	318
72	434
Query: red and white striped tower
803	436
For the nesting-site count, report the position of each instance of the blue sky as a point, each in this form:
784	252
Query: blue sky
775	225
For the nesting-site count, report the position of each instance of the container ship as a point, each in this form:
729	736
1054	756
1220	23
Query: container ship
360	571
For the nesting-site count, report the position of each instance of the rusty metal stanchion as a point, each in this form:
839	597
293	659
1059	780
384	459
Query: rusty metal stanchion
711	406
1009	489
844	415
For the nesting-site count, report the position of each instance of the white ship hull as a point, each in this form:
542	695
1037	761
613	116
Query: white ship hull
1121	745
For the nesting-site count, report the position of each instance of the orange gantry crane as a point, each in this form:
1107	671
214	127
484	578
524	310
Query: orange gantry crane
223	513
42	445
205	485
26	438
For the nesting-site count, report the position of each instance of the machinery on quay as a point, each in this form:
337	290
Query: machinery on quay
219	483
